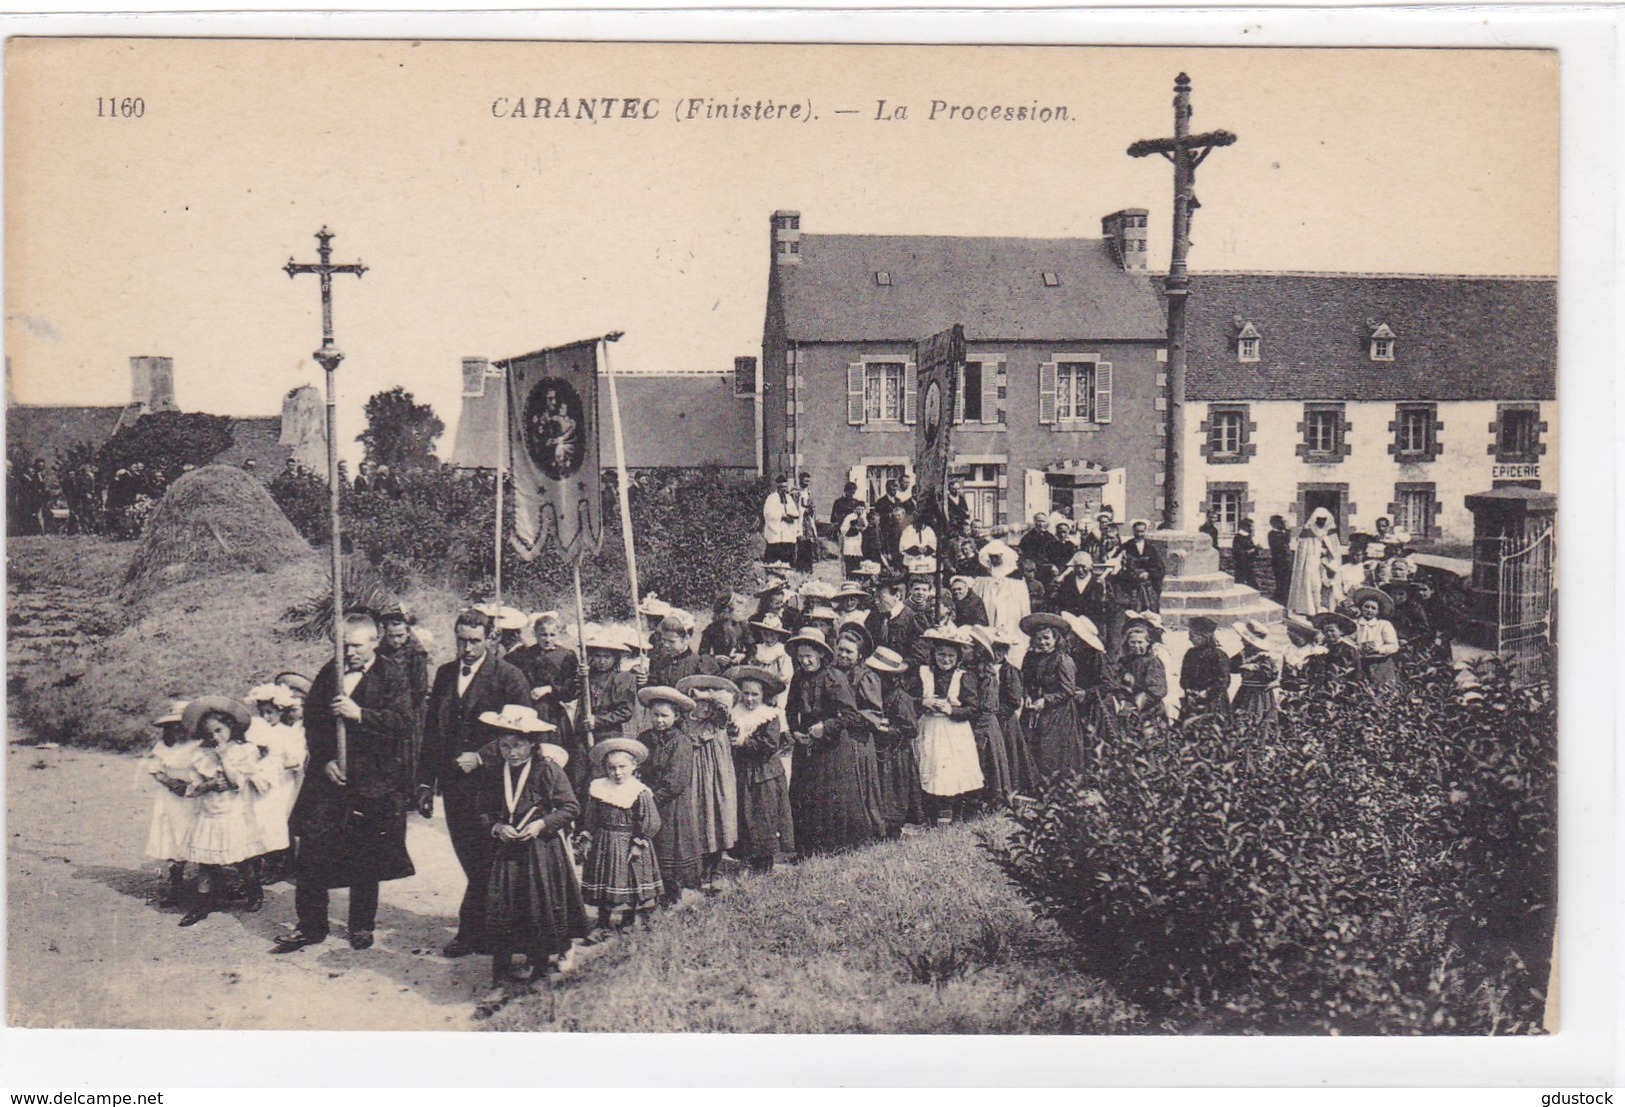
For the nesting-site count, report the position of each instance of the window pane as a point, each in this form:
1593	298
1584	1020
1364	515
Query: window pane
1063	391
970	408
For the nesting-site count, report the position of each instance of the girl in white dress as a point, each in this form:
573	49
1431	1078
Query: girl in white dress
283	770
173	810
945	744
230	771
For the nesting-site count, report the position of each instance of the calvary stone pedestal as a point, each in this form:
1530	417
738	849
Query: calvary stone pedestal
1195	586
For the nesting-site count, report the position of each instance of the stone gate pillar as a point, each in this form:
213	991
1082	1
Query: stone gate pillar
1505	520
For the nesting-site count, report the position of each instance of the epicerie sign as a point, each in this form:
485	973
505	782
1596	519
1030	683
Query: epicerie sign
1519	471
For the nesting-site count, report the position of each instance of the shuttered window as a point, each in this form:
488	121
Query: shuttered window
857	405
1047	373
1103	392
911	393
883	391
969	407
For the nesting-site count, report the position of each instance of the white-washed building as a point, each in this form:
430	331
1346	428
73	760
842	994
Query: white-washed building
1367	394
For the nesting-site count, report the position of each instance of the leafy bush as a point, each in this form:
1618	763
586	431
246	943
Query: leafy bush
697	532
1382	860
165	442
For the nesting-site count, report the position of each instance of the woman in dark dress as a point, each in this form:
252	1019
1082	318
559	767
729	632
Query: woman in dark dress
534	903
834	792
1023	772
1260	674
756	731
669	773
982	665
1244	555
1049	683
894	720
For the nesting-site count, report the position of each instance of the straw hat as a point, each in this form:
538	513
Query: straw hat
983	638
556	754
1132	523
1083	628
886	660
295	683
771	585
1384	602
703	686
812	636
638	751
946	636
1333	618
509	618
998	558
636	641
770	623
1031	624
821	612
208	705
767	678
1253	632
173	714
659	693
597	638
517	718
653	607
867	569
818	590
852	589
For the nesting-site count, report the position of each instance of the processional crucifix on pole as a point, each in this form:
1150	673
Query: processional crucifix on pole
328	357
1186	151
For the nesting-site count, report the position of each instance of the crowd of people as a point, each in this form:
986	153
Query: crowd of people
589	776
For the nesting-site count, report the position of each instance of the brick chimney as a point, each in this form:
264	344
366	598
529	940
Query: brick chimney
1125	230
787	238
152	384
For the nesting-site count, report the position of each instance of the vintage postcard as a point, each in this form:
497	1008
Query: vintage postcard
829	539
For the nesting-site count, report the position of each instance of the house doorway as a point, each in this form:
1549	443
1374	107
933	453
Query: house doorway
1332	497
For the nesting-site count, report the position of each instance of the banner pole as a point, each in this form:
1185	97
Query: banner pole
581	643
621	483
502	441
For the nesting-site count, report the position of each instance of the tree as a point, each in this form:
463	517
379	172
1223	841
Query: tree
165	442
400	431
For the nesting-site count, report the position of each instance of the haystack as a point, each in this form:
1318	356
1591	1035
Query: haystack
214	520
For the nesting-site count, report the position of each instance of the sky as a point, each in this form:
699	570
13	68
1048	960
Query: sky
489	235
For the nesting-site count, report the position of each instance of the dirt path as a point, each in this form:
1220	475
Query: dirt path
87	948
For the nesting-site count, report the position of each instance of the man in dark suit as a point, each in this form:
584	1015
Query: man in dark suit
350	817
890	621
1143	567
478	681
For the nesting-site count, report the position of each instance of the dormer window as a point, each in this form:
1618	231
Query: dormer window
1051	280
1382	343
883	278
1248	341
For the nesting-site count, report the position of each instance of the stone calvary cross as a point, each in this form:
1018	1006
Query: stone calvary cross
328	357
1186	151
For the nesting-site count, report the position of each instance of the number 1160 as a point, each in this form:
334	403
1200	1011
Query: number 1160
113	107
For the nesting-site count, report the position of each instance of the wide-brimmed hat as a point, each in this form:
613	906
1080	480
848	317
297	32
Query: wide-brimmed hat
818	590
851	589
636	640
998	558
982	638
598	638
771	585
1003	637
1384	602
867	569
1084	630
853	627
659	693
556	754
886	660
770	623
294	682
947	636
822	612
631	746
1031	624
174	713
1253	632
770	681
209	705
509	618
696	685
653	607
811	636
1132	523
1333	618
517	718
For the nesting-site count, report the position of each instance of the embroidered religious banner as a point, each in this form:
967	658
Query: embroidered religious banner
941	361
552	420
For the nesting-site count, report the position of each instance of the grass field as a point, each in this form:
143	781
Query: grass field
922	936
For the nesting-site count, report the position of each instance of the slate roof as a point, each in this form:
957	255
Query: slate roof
688	420
1457	338
49	432
994	286
256	438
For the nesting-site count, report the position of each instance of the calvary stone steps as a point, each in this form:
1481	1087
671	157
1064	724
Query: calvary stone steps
1195	586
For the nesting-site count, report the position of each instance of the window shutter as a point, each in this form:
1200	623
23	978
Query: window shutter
911	393
1103	392
1046	396
1035	493
991	374
1003	391
959	395
855	411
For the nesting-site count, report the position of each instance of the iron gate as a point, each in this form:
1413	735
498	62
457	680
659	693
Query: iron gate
1524	625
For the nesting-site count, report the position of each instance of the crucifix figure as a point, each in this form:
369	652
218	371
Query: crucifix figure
328	357
1186	151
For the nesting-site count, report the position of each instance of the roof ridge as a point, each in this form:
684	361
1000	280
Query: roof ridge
965	237
1531	277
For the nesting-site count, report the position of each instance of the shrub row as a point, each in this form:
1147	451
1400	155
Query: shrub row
1380	860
